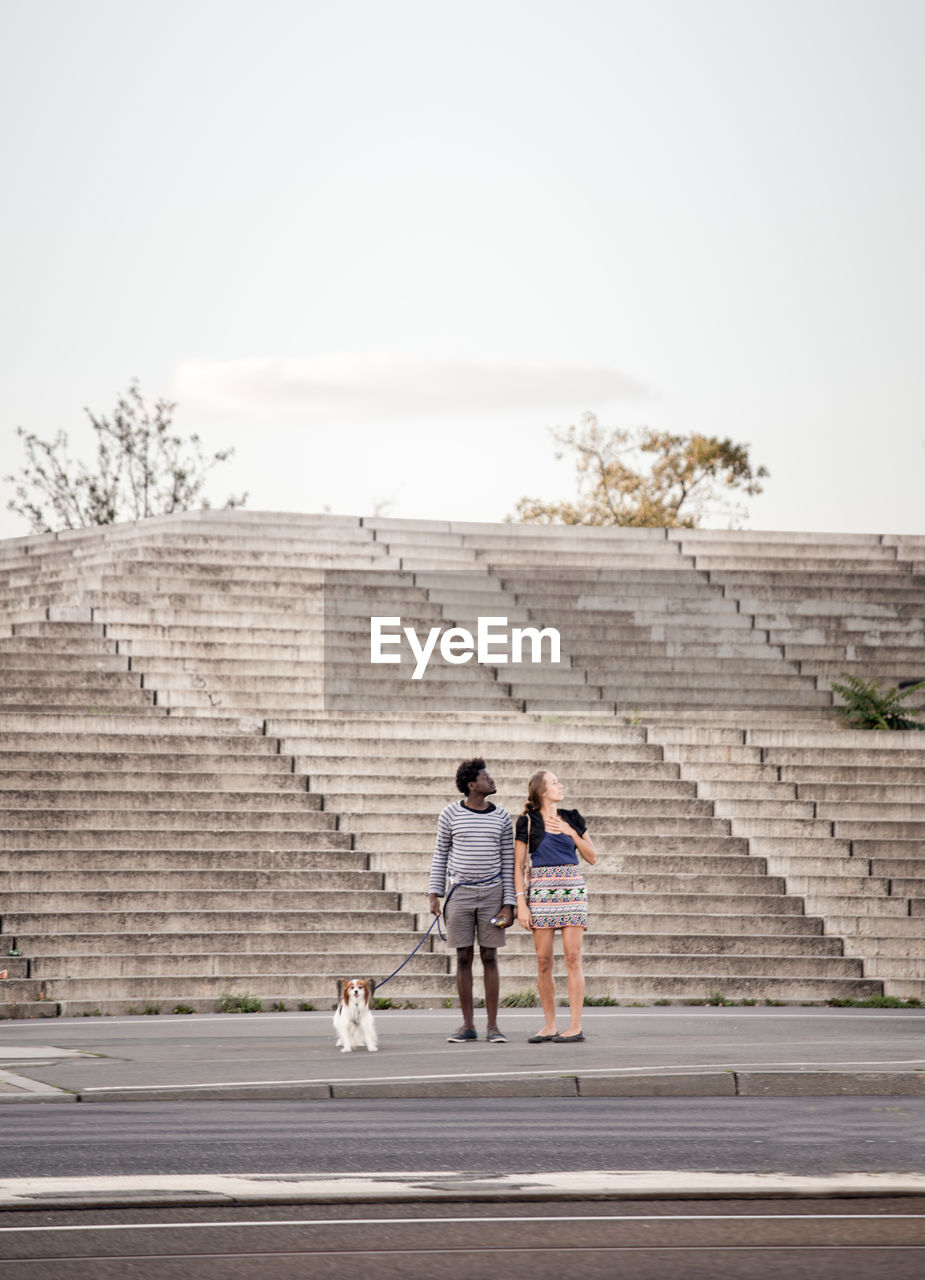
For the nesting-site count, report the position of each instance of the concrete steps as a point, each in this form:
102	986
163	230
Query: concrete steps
639	891
665	609
109	995
299	884
861	613
60	782
232	970
217	803
333	964
106	819
177	834
858	895
200	863
167	755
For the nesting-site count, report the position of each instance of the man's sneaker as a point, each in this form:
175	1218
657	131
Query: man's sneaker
463	1034
496	1036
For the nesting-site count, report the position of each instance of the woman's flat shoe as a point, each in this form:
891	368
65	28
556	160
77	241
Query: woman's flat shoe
569	1039
542	1039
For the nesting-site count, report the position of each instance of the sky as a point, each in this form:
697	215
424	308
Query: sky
380	248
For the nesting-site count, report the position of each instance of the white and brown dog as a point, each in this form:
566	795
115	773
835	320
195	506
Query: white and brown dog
353	1019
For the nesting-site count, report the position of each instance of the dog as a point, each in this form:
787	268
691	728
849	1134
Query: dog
353	1019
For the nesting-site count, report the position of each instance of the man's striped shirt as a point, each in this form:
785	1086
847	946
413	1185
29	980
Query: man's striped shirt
473	844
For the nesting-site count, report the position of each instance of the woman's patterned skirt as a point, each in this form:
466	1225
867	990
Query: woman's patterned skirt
558	897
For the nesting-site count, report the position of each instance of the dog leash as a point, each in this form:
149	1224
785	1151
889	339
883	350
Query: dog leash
467	884
435	921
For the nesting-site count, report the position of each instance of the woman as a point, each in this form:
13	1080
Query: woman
551	895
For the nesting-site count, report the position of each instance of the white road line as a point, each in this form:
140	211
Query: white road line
729	1011
363	1257
519	1218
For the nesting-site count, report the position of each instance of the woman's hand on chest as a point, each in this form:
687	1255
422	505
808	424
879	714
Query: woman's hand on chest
558	826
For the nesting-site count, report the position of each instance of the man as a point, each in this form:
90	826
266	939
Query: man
475	851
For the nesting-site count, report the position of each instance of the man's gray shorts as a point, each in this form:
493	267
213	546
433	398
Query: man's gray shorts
469	912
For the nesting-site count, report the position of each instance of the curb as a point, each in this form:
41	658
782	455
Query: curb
712	1084
17	1088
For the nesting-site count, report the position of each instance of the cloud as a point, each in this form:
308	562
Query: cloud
359	388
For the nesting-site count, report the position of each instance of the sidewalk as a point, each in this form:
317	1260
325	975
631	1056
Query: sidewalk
648	1052
166	1191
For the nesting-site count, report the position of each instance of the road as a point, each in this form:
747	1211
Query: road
794	1135
656	1240
165	1236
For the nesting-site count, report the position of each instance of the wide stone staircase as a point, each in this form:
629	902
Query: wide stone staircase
143	867
206	787
679	908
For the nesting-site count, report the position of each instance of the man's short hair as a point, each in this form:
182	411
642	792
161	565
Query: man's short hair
467	772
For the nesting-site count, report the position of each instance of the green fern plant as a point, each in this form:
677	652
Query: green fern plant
870	707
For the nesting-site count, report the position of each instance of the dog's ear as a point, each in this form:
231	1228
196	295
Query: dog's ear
371	982
340	991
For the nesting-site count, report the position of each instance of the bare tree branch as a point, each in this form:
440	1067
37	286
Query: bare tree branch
141	469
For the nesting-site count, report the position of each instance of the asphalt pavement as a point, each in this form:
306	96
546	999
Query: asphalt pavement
646	1052
653	1053
784	1239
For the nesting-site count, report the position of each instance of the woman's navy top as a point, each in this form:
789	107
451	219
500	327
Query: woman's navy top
547	848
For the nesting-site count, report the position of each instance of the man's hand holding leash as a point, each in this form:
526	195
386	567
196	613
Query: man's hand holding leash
504	919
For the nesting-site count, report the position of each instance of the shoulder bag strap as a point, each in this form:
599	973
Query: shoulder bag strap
528	864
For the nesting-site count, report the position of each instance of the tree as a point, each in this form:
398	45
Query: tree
142	469
645	478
